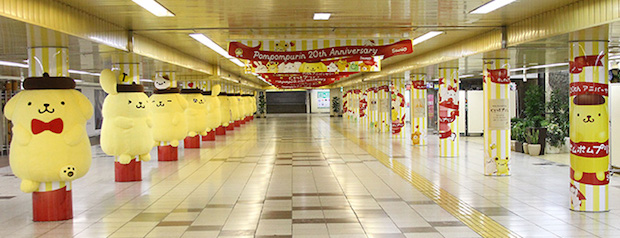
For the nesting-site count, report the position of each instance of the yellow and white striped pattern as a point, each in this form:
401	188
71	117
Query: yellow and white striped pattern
128	64
372	110
450	147
399	86
597	198
419	121
593	41
365	120
171	75
384	112
51	186
47	52
496	142
312	44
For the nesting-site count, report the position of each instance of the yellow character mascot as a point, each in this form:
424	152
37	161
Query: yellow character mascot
195	114
214	119
225	110
126	130
50	146
167	108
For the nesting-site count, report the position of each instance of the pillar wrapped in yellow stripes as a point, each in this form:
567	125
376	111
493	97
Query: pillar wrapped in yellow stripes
47	52
398	108
589	127
129	67
496	93
419	121
448	112
364	102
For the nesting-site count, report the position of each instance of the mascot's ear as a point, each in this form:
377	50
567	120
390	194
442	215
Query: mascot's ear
215	90
86	108
10	106
108	81
182	101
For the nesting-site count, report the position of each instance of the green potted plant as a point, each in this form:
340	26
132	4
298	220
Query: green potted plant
516	131
557	109
262	105
336	107
533	146
534	101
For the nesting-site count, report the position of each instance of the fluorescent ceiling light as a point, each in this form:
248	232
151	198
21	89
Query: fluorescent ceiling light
491	6
83	72
146	80
466	76
548	66
215	47
13	64
154	7
323	16
426	37
614	57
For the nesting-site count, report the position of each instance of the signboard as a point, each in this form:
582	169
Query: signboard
499	116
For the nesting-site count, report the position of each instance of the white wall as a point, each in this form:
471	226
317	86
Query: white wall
614	129
475	114
315	103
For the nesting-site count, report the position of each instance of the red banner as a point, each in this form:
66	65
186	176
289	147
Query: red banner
579	88
418	84
576	67
242	51
499	76
589	149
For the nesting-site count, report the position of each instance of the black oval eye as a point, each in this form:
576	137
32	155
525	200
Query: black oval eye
599	114
129	101
195	100
62	102
29	103
577	114
169	100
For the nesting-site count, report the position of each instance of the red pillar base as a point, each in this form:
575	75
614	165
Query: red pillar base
56	205
242	121
220	131
230	127
128	172
192	142
237	123
210	136
251	118
167	153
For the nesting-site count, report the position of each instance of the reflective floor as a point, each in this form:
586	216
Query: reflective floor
312	175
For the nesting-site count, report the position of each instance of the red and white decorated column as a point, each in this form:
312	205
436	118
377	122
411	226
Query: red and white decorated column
48	53
129	66
496	93
589	120
448	112
419	122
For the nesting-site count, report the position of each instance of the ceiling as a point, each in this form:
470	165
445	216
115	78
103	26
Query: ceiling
232	20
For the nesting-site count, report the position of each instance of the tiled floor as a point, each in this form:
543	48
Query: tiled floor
311	175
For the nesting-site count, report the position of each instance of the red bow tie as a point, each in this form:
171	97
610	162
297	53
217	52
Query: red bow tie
39	126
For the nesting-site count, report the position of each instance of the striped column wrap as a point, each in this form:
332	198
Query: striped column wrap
384	108
419	122
128	64
51	186
363	112
448	95
372	106
496	134
589	138
397	98
312	44
47	52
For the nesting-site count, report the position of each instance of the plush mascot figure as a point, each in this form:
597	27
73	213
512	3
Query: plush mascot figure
214	118
167	108
234	108
50	142
196	112
126	130
224	109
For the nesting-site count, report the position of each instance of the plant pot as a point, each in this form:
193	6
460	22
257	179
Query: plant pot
513	145
525	148
519	146
534	149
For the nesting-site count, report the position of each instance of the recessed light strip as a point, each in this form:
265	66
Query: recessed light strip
321	16
426	37
215	47
154	7
491	6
